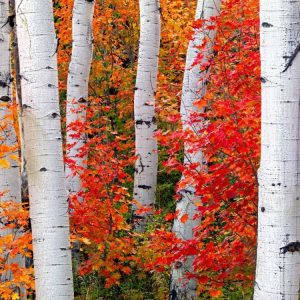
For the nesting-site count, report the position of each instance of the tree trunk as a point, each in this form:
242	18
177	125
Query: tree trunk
277	267
10	180
77	91
43	149
194	87
145	177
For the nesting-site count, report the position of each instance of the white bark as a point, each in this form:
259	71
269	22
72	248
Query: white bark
77	90
194	87
10	180
145	177
43	150
278	267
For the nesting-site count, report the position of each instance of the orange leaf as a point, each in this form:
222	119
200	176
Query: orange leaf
216	293
184	218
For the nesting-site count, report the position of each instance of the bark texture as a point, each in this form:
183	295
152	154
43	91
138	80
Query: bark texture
10	180
278	257
77	90
145	177
194	87
43	149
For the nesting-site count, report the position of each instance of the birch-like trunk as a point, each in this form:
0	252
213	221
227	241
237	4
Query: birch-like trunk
145	177
194	87
10	180
278	257
77	90
43	150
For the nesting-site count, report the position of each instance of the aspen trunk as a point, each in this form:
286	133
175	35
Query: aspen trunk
10	180
9	177
278	257
77	90
145	177
43	149
194	87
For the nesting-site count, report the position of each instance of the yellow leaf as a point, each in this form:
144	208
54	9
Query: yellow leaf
14	157
15	296
4	163
86	241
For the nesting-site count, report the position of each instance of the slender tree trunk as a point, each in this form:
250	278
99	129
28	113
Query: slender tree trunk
145	177
10	180
278	257
194	87
43	149
77	91
28	261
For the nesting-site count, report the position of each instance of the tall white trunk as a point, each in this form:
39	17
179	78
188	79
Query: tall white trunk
278	257
145	177
43	149
10	180
77	90
194	87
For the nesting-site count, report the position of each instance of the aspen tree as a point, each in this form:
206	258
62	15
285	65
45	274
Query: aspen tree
43	149
77	90
194	87
10	180
278	257
145	177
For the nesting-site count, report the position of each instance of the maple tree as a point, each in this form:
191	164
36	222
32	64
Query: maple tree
230	141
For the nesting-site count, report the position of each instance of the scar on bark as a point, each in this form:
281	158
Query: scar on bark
290	247
142	166
5	99
292	58
173	295
144	187
3	84
10	20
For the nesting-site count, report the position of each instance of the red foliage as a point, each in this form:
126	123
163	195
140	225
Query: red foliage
224	242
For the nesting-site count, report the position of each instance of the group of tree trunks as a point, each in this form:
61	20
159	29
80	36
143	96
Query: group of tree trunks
27	29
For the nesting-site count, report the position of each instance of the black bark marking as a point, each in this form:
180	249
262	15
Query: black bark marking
290	247
82	100
139	217
186	191
5	99
3	84
144	187
10	20
178	264
263	209
263	80
292	58
173	295
54	115
139	122
43	169
266	25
